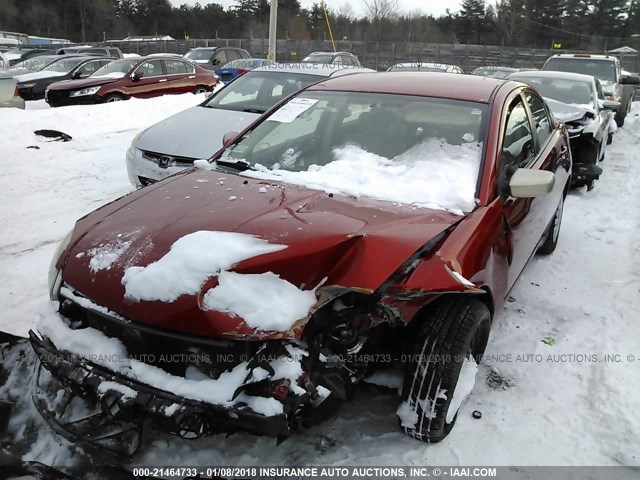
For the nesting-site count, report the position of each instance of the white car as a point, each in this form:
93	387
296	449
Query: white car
605	68
4	62
578	101
9	96
196	133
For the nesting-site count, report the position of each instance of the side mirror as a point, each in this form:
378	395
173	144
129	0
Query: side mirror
228	138
609	104
526	183
76	75
629	80
135	76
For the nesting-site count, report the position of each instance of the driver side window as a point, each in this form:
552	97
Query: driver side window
151	69
517	146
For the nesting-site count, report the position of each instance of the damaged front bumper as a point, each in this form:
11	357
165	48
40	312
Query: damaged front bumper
117	409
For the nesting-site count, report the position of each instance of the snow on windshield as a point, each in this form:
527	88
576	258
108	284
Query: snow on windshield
411	150
432	174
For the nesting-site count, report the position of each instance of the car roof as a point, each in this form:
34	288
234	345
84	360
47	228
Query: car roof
215	48
496	67
584	56
578	77
330	53
319	69
470	88
156	56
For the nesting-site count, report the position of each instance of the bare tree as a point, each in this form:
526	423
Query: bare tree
379	12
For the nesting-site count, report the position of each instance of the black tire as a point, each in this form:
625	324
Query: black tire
620	118
200	89
454	329
553	233
609	140
113	97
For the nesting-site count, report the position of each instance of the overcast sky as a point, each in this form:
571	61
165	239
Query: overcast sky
435	7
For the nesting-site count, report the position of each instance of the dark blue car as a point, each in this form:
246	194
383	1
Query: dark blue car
239	67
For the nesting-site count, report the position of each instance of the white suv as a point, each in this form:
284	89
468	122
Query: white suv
605	68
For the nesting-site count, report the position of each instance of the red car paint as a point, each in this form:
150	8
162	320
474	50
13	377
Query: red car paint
144	86
353	243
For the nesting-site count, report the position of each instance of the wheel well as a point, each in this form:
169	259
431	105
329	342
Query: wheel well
486	298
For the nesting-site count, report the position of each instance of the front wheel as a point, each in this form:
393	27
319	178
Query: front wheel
113	97
440	371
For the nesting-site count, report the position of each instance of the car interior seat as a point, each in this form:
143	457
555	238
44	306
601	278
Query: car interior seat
378	131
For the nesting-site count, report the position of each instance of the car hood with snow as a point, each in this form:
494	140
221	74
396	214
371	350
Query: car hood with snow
194	133
568	112
342	241
27	77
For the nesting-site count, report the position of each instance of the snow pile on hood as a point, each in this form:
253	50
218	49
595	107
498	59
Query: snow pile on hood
37	75
566	112
109	352
433	174
191	260
264	301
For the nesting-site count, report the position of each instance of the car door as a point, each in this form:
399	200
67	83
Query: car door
151	82
176	74
530	140
606	116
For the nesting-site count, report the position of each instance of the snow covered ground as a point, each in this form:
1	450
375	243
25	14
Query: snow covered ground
547	394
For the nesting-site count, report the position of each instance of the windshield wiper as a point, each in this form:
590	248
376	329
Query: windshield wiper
254	110
240	165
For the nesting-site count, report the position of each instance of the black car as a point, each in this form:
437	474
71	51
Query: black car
32	86
214	57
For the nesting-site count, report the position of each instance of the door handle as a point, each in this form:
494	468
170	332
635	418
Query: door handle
162	80
192	76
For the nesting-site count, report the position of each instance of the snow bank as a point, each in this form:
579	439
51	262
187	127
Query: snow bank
190	262
264	301
433	174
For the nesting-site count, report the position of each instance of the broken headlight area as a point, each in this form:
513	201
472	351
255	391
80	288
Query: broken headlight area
161	381
575	127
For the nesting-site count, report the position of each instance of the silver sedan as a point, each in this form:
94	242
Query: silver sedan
196	133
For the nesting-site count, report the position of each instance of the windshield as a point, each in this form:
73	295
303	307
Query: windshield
605	70
64	65
318	59
36	63
117	69
199	54
561	90
256	91
407	149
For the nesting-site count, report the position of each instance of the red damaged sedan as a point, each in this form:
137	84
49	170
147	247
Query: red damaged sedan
140	77
369	222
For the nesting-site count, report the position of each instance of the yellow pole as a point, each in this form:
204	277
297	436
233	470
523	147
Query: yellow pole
326	17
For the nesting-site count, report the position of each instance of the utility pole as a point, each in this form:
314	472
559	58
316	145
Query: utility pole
273	22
